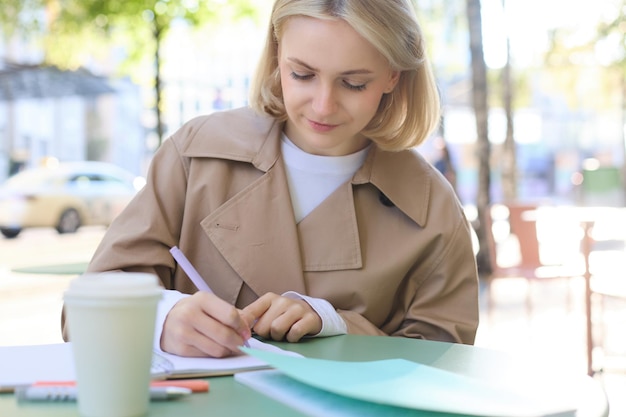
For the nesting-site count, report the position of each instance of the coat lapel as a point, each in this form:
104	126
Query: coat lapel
329	235
256	234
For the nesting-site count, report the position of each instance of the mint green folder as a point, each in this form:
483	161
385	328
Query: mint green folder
409	385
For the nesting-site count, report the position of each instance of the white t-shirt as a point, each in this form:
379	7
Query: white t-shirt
312	178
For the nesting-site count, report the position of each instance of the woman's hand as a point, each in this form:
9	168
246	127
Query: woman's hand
282	318
205	325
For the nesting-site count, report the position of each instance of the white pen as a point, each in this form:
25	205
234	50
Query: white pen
189	269
193	274
65	393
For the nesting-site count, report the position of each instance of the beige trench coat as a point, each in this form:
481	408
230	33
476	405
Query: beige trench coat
390	250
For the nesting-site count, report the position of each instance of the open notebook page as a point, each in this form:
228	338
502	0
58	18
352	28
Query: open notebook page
24	365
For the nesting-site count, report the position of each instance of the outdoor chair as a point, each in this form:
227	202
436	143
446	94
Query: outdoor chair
609	295
528	265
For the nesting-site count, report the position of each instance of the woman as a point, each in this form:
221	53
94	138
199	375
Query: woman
308	214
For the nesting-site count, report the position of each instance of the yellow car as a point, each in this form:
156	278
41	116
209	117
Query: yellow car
65	196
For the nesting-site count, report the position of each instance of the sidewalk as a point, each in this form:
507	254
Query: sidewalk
556	330
557	334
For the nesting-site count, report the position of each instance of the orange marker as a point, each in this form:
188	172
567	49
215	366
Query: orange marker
195	385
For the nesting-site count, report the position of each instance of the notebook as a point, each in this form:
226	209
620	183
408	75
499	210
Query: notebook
24	365
172	366
313	401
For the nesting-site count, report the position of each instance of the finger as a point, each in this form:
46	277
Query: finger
248	318
226	325
225	313
177	328
263	311
183	339
201	346
260	306
214	338
281	324
293	324
298	330
188	331
202	325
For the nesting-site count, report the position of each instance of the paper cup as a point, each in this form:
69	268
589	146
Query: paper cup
111	318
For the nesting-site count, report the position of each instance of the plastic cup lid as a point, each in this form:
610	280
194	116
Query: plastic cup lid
116	284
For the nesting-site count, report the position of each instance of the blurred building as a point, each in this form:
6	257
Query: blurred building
68	115
87	116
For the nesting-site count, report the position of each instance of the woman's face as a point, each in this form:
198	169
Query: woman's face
332	81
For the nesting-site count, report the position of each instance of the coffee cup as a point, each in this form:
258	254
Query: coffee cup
111	318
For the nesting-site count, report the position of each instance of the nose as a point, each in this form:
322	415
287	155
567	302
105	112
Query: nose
324	100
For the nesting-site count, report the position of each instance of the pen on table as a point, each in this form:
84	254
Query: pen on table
193	274
195	385
69	393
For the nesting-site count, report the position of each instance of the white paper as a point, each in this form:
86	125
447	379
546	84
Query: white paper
24	365
187	367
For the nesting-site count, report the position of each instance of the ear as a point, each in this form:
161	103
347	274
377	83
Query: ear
394	77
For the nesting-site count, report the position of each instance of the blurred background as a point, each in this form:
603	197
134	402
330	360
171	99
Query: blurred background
534	115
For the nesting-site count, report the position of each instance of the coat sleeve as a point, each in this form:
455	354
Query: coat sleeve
439	305
444	305
139	239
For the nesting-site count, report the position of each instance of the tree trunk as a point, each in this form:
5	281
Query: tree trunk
158	32
623	126
509	157
446	167
481	111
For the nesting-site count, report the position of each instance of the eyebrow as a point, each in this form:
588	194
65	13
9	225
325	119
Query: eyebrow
307	66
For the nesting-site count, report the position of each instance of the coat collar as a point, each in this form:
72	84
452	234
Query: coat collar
238	135
403	177
243	135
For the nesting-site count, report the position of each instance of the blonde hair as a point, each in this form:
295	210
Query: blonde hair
405	116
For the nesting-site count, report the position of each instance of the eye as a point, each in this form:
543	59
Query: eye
354	87
300	77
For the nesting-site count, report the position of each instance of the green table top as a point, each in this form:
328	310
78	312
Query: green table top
54	269
229	398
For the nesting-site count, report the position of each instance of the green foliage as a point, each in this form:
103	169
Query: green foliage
74	31
125	34
21	15
616	29
591	70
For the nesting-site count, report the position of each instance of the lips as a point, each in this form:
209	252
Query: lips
321	127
